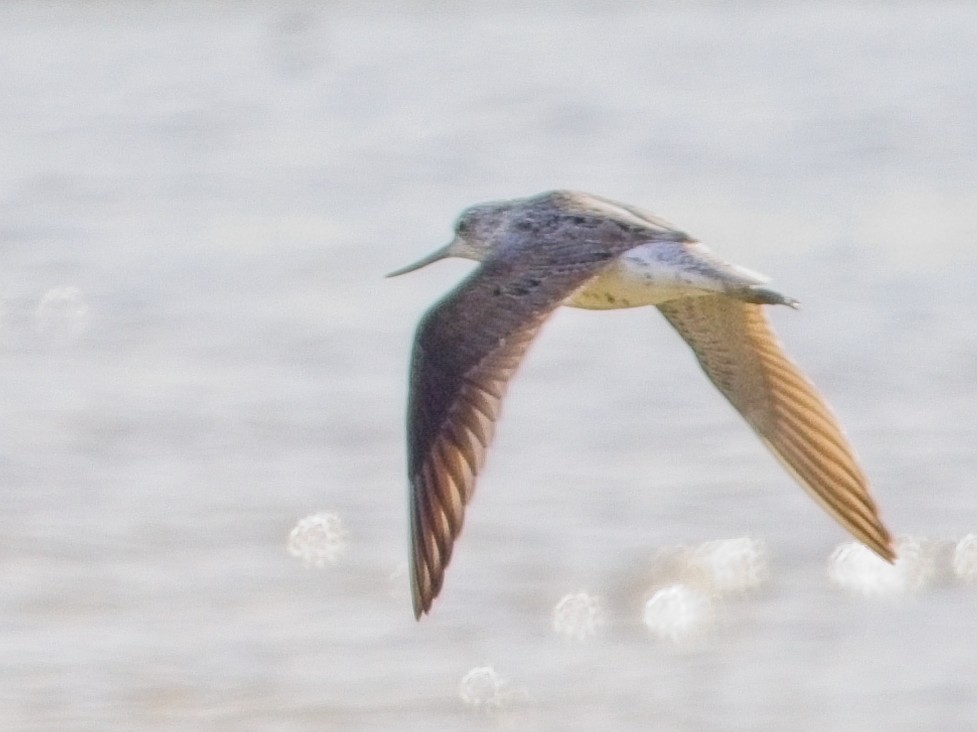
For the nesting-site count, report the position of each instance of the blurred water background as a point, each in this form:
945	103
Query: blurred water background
198	202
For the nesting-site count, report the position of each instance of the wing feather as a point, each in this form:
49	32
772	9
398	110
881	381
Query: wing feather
467	348
740	354
453	407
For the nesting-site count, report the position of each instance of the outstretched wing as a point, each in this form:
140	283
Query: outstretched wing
466	349
741	355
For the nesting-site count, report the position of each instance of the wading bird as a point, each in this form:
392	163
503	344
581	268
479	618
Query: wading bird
572	248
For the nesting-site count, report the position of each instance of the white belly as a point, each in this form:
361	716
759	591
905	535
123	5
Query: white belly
655	273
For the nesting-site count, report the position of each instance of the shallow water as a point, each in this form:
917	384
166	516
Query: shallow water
198	349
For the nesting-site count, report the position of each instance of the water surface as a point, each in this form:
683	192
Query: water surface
197	349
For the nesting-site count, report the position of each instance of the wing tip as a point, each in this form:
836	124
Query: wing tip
420	599
885	549
875	536
419	610
424	584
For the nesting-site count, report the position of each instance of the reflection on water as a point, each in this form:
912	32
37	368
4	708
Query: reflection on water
198	349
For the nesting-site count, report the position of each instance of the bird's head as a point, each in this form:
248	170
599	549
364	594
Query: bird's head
476	234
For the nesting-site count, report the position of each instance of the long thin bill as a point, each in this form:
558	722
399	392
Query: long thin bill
432	257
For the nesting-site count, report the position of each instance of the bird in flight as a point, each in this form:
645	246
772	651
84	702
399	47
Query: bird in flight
576	249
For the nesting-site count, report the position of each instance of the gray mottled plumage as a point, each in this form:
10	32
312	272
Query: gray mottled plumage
565	247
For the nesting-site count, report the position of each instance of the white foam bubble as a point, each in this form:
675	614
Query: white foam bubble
578	616
318	540
482	688
398	582
965	559
856	568
485	691
61	313
678	612
729	565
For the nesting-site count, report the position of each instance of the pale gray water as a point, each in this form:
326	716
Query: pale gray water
206	196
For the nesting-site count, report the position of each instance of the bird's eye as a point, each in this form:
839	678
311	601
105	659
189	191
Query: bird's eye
462	227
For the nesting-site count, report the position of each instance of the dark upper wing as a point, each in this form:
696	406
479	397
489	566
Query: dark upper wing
741	355
466	349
